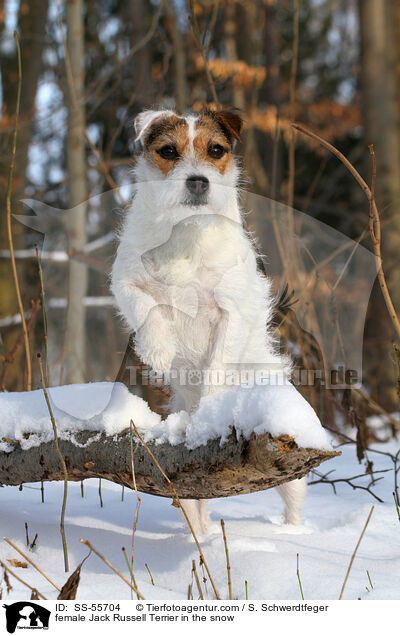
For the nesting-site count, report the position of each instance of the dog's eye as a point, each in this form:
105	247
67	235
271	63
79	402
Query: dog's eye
216	151
168	152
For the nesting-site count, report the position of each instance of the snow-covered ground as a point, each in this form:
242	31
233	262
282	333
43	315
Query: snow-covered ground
262	550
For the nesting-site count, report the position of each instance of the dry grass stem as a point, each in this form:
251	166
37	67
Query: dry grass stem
228	564
150	574
114	569
31	562
298	578
196	578
9	229
355	552
33	589
63	464
137	499
133	580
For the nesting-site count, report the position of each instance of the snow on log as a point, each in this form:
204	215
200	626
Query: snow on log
237	466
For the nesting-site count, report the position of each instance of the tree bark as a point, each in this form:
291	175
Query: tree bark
209	471
75	333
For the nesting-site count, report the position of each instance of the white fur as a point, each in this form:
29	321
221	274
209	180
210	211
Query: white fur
186	282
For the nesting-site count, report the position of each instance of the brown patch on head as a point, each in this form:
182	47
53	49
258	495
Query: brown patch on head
164	132
210	134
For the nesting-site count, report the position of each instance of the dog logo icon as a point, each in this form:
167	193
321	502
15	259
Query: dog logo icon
26	615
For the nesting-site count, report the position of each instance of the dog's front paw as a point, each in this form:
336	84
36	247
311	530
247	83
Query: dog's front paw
157	355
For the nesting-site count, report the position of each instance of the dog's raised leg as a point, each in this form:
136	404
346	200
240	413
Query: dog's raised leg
196	510
293	494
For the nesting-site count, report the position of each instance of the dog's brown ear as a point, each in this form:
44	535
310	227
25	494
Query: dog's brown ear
231	121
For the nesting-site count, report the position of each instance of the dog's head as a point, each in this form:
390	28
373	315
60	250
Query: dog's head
187	162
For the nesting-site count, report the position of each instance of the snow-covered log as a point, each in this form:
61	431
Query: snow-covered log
238	466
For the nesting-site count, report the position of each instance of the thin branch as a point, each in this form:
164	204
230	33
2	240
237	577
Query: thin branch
9	230
42	294
376	232
349	480
355	552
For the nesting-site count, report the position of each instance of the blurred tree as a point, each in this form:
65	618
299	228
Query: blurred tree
31	26
75	332
379	47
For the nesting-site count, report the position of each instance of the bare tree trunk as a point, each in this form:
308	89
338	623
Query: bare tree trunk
381	121
75	333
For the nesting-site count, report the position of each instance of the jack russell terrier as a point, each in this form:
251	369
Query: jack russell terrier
185	277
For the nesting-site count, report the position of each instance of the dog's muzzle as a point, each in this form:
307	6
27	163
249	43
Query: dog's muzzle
198	186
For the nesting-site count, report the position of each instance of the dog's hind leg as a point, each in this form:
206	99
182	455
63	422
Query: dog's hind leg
197	513
293	494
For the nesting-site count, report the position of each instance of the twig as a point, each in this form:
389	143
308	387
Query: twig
7	569
64	467
196	578
376	233
150	575
396	503
349	480
176	497
27	535
9	230
121	576
228	565
355	552
42	294
122	368
31	562
100	497
34	541
246	591
298	578
369	579
397	354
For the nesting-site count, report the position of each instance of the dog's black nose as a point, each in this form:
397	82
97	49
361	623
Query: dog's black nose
197	184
